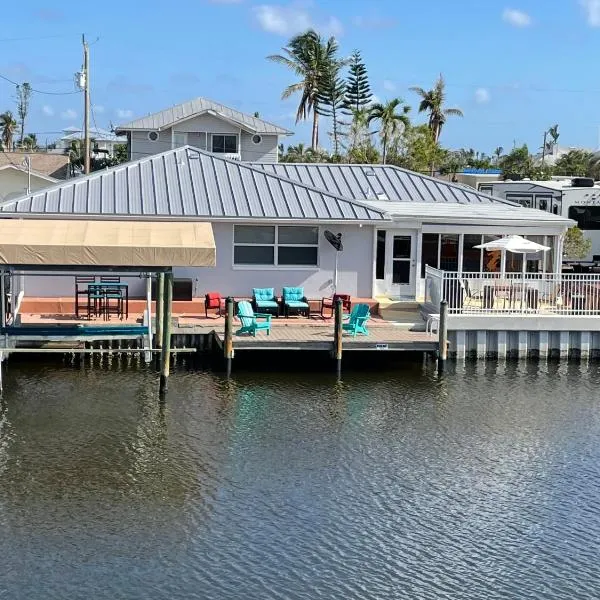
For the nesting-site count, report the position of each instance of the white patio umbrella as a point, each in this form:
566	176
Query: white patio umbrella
516	244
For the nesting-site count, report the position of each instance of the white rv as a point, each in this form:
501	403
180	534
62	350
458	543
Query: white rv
577	198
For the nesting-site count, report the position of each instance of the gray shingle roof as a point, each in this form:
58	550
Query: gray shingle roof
380	182
181	112
191	183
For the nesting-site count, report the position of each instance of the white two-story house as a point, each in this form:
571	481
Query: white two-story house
206	125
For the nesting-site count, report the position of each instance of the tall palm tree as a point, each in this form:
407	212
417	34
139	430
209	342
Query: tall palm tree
391	121
30	142
310	58
8	128
498	152
432	101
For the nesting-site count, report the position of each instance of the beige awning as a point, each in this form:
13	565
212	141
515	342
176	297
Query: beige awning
141	244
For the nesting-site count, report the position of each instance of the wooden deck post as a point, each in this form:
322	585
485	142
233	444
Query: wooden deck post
337	338
165	355
443	335
228	345
160	291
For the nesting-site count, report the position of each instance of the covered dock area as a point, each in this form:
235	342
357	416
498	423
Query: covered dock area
107	249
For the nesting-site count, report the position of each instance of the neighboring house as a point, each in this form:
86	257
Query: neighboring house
16	181
43	163
554	152
204	124
103	141
269	221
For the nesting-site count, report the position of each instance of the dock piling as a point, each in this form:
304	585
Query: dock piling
337	340
165	356
228	345
443	335
160	291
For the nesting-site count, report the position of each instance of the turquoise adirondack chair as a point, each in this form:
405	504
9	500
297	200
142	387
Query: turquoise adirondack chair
357	320
249	320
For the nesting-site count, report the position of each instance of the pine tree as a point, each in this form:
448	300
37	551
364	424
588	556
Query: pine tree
332	100
358	90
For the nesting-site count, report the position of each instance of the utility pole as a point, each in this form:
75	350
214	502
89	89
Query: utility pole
86	106
544	148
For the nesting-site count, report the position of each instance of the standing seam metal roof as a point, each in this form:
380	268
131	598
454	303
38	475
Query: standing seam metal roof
380	183
192	108
189	183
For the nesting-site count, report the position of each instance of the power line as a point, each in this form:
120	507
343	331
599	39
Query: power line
41	91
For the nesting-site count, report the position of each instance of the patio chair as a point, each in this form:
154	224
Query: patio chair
111	293
249	320
293	299
80	290
357	320
329	303
213	301
264	300
470	292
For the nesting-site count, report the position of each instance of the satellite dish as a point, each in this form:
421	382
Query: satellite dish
334	240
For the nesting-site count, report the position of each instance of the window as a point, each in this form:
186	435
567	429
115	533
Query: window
485	188
271	245
471	255
179	139
449	252
256	139
525	200
153	136
430	251
224	144
380	256
587	217
544	202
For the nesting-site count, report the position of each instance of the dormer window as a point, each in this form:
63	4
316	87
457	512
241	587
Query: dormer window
224	144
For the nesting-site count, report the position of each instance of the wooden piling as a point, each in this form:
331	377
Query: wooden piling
166	331
228	345
443	335
160	292
337	335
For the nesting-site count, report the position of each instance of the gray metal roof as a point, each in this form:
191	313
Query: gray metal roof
193	108
190	183
380	182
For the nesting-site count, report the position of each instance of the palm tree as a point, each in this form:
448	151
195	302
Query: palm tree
299	153
390	120
432	101
30	142
498	152
8	128
76	153
310	58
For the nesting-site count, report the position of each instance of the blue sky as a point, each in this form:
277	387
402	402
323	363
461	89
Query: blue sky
514	68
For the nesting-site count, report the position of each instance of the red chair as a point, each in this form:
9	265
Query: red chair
330	303
213	301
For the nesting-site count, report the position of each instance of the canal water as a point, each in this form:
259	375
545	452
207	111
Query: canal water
481	484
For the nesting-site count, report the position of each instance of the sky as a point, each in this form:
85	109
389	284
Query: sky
515	68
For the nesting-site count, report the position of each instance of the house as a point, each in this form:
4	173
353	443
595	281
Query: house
554	152
269	222
102	145
17	176
207	125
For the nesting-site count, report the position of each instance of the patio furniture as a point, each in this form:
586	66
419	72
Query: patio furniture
470	293
357	320
250	320
114	293
329	303
293	299
81	289
213	301
264	300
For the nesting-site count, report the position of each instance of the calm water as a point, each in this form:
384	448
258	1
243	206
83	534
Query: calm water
484	484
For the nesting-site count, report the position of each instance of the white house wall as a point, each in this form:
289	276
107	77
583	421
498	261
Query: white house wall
208	123
13	183
354	275
141	146
266	151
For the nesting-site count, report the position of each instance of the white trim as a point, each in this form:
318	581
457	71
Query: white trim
275	245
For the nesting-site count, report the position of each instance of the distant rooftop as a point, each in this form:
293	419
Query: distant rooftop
193	108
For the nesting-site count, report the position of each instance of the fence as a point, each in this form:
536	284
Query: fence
514	293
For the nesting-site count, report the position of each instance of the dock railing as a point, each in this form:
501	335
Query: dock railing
514	293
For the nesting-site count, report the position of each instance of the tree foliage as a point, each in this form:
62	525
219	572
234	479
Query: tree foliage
519	164
419	150
332	100
23	97
8	128
575	163
392	123
576	245
358	90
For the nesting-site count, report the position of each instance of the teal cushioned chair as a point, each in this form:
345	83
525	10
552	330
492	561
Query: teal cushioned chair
250	320
293	299
264	300
357	320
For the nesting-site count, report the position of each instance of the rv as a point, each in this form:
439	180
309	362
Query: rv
577	198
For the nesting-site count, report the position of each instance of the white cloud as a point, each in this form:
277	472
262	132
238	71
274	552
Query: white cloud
98	108
482	96
124	113
289	20
389	86
48	110
374	22
68	114
516	18
592	11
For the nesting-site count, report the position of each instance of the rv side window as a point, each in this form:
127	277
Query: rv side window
543	202
485	188
587	217
525	200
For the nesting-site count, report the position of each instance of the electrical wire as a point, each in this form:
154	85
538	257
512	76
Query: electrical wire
41	91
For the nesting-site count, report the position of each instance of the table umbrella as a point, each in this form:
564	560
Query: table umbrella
516	244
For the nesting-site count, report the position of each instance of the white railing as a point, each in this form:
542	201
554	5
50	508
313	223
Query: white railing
514	293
